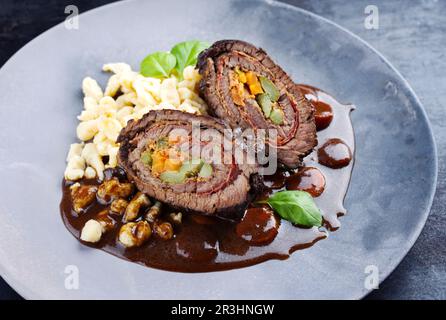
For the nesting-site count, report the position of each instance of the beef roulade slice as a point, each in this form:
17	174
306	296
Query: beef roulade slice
158	154
242	85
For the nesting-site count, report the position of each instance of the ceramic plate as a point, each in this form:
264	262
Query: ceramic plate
389	197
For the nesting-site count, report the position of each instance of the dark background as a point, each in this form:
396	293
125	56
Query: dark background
412	35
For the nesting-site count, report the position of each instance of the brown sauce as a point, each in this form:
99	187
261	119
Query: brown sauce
323	111
258	226
334	154
323	115
307	179
277	180
203	244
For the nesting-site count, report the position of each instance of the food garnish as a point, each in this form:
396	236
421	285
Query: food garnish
186	53
158	65
297	207
162	64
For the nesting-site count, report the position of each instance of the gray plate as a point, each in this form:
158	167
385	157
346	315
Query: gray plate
388	201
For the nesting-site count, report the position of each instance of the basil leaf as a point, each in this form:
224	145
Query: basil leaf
158	65
297	207
187	53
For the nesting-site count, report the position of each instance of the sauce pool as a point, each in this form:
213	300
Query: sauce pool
334	154
307	179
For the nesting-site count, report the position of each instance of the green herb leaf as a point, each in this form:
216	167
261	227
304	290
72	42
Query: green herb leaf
187	53
297	207
158	65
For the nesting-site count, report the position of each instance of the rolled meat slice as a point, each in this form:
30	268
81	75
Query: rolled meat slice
159	154
242	85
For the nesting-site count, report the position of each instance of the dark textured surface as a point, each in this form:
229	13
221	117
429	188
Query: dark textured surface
411	36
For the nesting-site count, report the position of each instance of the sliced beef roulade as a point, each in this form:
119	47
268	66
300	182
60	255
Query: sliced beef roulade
159	153
242	85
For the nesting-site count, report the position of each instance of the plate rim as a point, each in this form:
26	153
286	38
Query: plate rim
28	294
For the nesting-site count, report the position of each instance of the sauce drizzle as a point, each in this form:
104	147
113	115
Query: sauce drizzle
334	154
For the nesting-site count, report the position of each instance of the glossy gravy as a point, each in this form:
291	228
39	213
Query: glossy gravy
203	244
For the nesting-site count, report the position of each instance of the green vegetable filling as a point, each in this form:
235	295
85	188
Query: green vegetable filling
276	116
268	101
162	143
189	169
205	171
172	177
146	158
192	167
265	103
269	87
